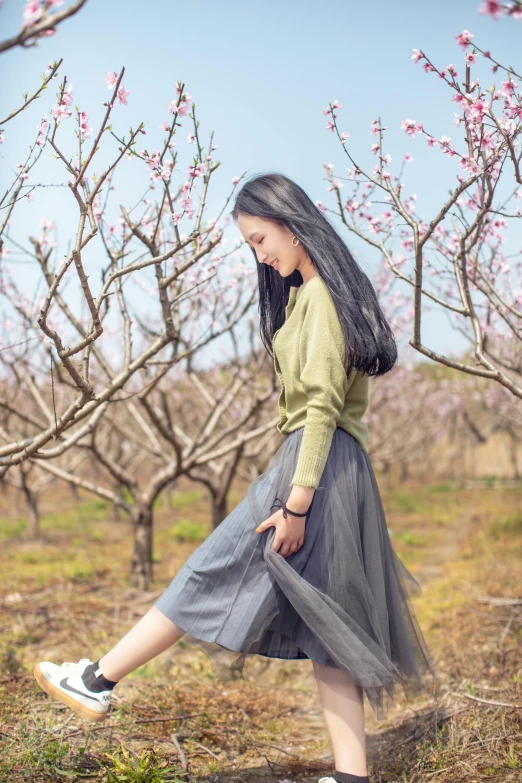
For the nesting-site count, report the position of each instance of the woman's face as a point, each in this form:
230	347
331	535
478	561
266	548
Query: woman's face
272	244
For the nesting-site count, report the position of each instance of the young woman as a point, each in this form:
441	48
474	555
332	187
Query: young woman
303	567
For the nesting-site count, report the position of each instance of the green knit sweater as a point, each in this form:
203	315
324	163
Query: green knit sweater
316	392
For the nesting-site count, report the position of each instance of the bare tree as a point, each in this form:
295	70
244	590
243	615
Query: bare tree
197	424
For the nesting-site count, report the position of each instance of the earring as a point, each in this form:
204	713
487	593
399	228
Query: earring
296	242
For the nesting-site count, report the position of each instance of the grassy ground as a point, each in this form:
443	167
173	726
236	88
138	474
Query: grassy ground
191	716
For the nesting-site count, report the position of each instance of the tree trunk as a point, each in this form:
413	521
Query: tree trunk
513	453
386	475
219	509
141	568
33	515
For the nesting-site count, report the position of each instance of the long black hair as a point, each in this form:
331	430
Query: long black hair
369	342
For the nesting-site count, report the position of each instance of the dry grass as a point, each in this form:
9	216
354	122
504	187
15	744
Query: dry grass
189	716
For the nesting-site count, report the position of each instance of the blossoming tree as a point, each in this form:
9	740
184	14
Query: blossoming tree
453	258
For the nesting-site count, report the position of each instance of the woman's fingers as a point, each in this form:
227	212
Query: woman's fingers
286	549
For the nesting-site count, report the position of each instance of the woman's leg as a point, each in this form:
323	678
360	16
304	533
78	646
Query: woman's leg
151	635
343	709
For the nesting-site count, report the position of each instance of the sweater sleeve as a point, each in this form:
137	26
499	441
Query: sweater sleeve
324	379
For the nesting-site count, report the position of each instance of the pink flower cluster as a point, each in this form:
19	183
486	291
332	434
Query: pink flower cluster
121	93
85	131
496	9
184	105
62	109
34	10
42	130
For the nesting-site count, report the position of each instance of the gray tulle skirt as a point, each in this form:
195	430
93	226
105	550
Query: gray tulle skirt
343	599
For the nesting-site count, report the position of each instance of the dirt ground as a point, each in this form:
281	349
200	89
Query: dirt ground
192	715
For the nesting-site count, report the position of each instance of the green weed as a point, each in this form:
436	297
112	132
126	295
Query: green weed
185	530
140	768
184	499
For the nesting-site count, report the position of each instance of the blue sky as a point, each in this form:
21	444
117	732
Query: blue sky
261	74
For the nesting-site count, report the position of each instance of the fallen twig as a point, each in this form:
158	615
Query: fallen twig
182	757
485	701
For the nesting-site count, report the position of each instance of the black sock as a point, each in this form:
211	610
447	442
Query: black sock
94	683
346	777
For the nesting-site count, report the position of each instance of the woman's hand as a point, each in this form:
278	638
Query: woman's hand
289	532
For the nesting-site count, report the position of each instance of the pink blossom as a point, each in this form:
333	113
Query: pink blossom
235	180
488	141
491	7
182	109
411	127
153	160
60	111
191	139
122	95
85	131
167	170
432	141
196	171
336	105
67	97
32	13
43	127
29	196
509	87
330	126
344	136
320	206
111	79
470	58
428	68
416	56
165	126
374	148
463	39
451	69
186	202
408	158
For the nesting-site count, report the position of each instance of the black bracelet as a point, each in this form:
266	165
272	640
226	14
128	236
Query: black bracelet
279	504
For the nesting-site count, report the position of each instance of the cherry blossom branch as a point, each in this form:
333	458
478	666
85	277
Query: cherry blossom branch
33	29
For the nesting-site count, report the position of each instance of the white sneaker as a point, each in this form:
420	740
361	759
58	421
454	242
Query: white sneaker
65	684
327	780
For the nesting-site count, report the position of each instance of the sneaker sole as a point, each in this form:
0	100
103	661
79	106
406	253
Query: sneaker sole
52	690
